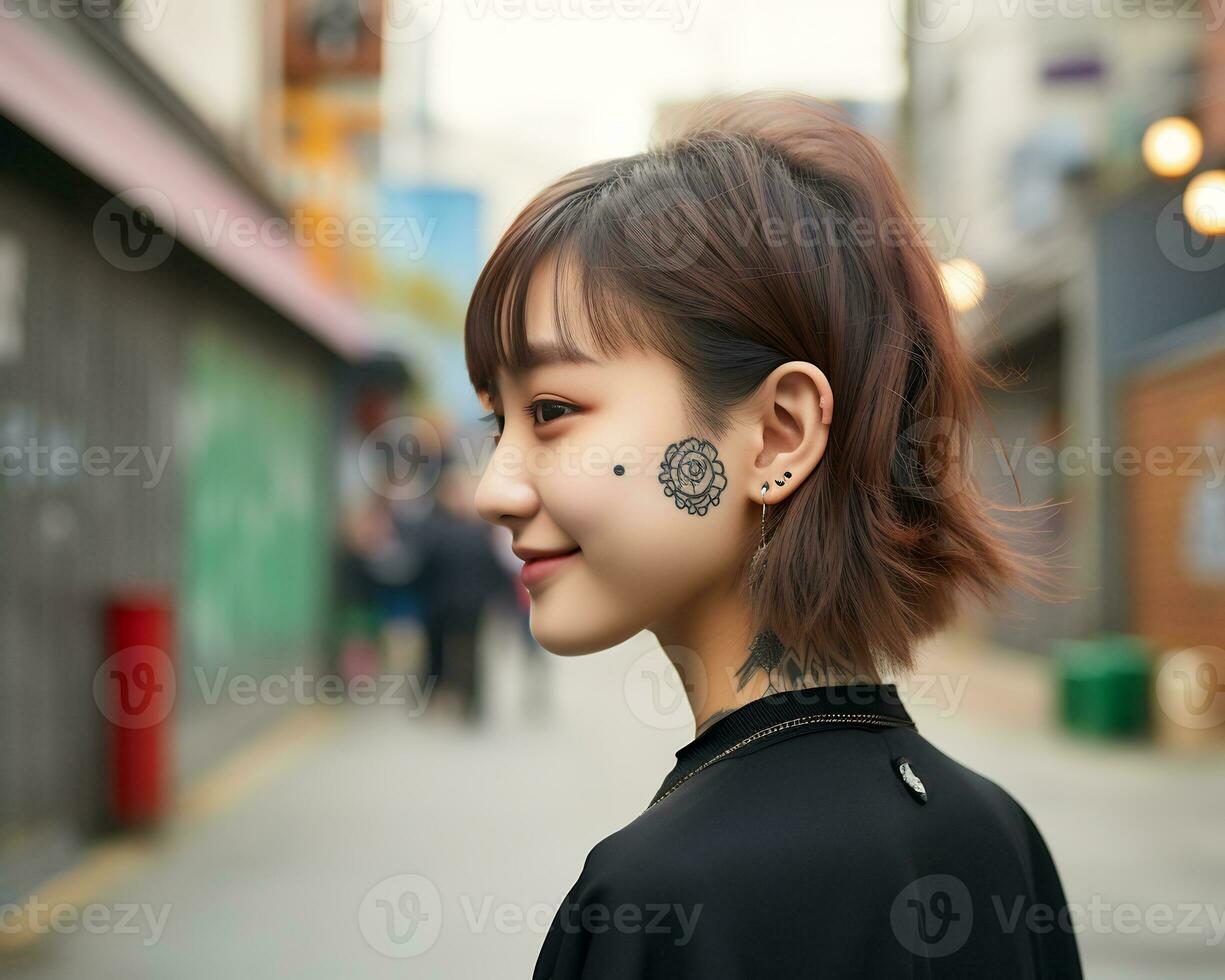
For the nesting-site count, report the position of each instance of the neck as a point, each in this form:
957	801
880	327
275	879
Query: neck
707	646
710	643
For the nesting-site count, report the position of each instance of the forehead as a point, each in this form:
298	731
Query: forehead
552	293
540	305
548	299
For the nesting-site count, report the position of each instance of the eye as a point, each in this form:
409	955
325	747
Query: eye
545	410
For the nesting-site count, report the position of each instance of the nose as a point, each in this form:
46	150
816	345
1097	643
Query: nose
505	494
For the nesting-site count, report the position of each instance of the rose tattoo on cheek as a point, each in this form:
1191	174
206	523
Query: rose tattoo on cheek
692	475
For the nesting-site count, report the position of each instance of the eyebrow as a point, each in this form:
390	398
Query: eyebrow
542	355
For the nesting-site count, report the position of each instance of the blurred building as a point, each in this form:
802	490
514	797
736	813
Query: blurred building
169	367
1024	135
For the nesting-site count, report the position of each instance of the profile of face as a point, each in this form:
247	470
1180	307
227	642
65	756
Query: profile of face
598	461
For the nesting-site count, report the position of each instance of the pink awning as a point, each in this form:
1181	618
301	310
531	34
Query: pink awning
82	114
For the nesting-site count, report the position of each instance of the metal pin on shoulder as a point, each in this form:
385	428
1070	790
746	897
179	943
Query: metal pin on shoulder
910	778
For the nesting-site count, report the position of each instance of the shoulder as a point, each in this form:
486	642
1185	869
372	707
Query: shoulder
741	856
983	799
831	805
637	862
625	917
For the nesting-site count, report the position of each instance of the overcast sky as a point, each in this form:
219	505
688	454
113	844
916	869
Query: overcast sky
587	86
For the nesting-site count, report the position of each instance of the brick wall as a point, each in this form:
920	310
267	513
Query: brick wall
1176	514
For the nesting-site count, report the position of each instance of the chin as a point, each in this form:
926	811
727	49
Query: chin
573	631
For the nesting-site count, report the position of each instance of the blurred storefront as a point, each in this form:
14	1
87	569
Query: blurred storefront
168	403
1024	134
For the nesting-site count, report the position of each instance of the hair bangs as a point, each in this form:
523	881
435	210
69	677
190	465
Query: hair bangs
597	307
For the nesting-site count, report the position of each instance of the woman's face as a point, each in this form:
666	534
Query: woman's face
637	560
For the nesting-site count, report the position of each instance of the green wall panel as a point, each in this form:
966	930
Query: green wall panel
258	527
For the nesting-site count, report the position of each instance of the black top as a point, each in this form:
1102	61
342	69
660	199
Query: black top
816	833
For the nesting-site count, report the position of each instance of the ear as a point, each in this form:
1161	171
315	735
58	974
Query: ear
793	409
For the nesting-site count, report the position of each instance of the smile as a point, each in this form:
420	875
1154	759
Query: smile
537	570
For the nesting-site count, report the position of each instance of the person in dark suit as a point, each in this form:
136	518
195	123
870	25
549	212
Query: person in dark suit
459	579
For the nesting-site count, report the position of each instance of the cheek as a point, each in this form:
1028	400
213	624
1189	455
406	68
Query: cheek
635	539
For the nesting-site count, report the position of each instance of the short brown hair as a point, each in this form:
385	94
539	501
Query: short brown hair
769	229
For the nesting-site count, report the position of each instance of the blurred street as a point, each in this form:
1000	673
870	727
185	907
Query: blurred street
275	881
242	244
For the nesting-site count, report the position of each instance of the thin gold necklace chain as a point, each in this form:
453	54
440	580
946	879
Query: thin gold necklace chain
876	719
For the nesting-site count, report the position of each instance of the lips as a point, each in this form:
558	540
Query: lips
539	566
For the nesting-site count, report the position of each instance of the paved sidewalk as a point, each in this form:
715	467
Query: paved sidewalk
287	874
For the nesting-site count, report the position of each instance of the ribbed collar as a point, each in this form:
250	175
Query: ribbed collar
877	699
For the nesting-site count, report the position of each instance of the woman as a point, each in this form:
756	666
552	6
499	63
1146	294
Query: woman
732	409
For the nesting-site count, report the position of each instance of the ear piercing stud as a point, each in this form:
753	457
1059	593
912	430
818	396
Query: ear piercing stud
765	486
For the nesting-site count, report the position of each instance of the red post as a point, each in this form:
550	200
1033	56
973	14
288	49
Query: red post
135	689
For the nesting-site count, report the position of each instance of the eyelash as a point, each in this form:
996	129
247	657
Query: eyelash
530	411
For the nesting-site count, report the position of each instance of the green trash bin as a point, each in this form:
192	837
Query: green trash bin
1103	685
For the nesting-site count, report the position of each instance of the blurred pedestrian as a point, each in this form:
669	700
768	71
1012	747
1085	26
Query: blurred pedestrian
535	694
460	577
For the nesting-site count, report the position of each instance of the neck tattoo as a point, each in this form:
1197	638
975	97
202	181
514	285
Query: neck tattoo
712	719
